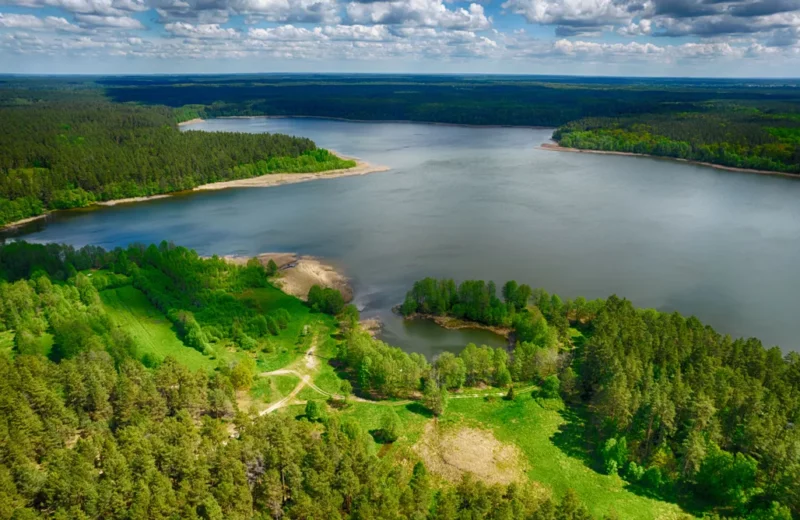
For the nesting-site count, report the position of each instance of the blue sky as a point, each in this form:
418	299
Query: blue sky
733	38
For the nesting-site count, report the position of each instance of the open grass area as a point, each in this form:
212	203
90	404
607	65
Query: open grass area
293	341
153	333
550	440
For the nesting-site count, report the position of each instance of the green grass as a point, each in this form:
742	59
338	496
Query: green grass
555	454
153	333
291	342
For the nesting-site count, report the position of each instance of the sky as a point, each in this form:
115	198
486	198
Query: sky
692	38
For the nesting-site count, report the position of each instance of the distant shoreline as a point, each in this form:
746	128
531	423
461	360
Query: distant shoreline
558	148
375	121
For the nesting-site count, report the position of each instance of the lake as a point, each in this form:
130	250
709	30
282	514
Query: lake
486	203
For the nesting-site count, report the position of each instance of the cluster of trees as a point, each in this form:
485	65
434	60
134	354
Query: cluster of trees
325	299
749	139
679	409
476	300
68	152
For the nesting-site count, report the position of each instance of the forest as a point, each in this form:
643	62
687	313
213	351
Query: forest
94	427
90	429
745	124
73	149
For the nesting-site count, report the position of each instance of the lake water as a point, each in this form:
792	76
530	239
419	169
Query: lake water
486	203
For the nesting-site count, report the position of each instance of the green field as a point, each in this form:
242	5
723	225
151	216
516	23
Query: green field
554	456
153	333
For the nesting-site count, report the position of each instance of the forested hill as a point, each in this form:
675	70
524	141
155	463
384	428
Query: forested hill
62	150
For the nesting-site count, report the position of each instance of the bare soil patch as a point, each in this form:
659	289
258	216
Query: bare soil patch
452	452
299	273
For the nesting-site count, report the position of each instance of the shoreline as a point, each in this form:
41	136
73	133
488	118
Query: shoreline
451	323
264	181
191	121
558	148
278	179
298	273
376	121
22	222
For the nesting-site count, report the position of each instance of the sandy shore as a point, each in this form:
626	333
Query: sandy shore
277	179
131	200
558	148
18	223
299	273
191	121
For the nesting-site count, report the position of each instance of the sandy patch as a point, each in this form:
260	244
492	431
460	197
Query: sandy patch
131	200
371	326
299	273
18	223
191	121
277	179
451	453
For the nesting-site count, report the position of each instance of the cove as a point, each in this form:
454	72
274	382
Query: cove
487	203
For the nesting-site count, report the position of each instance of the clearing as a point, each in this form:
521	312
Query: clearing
452	452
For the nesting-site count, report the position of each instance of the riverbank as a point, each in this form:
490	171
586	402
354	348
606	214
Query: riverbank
451	323
299	273
558	148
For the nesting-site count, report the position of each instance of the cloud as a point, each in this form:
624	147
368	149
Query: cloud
295	11
423	13
31	22
286	33
117	22
574	16
201	31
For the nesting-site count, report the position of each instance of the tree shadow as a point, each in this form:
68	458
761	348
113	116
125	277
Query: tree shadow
571	438
418	409
379	436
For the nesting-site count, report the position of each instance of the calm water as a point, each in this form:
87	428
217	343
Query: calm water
486	203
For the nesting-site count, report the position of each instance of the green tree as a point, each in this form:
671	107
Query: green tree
390	426
434	398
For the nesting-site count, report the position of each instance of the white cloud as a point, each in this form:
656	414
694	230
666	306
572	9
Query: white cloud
295	11
286	33
117	22
201	31
426	13
29	21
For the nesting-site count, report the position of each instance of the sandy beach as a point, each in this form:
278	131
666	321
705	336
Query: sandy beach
130	200
277	179
191	121
558	148
299	273
24	221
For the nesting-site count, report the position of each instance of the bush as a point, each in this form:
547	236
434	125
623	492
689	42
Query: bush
550	387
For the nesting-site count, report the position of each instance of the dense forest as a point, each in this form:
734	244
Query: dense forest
740	137
675	407
71	149
89	431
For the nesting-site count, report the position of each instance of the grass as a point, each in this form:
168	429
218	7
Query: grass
153	333
555	454
291	342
